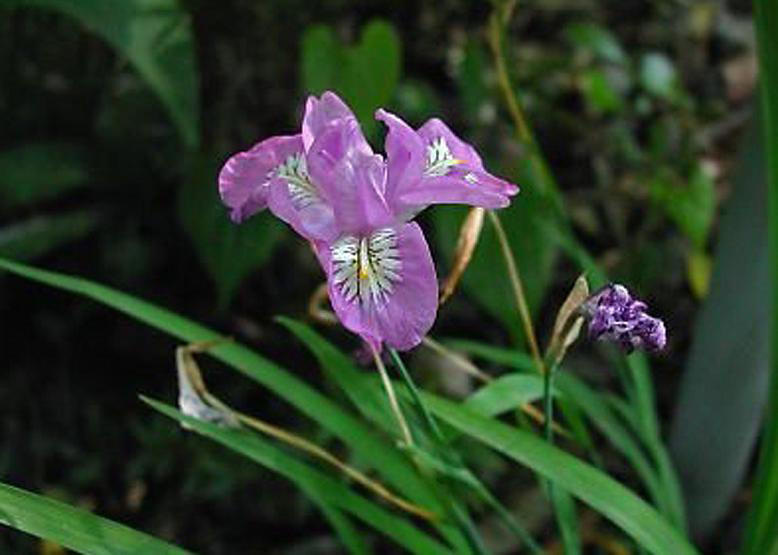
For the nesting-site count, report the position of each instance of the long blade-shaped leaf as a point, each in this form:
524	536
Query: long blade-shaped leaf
373	449
610	498
762	532
315	482
724	386
74	528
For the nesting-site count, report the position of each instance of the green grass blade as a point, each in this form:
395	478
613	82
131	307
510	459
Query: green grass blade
506	393
347	532
762	529
324	488
366	397
73	528
593	487
665	486
601	416
372	448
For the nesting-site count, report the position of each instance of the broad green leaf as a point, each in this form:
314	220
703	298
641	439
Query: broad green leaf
321	59
314	482
608	497
74	528
156	37
372	449
38	235
532	249
366	73
506	393
596	39
691	204
228	251
762	529
41	171
724	386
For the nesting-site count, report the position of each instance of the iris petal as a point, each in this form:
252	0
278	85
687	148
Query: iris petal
434	166
383	285
244	180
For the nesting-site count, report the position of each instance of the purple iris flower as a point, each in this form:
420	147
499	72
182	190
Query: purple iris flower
355	207
615	316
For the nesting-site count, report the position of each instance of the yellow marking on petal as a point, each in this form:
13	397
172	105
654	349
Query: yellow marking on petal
364	259
458	161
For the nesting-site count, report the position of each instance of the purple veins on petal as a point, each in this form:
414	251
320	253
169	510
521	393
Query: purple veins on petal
615	316
244	180
434	166
382	285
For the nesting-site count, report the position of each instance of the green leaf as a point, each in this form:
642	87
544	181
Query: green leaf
506	393
690	205
658	76
762	529
321	59
599	92
228	251
372	449
597	39
74	528
499	355
38	235
660	480
366	74
724	386
156	37
531	247
600	415
314	482
608	497
40	171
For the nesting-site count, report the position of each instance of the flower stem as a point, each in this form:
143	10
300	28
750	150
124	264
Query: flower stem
389	388
454	459
413	390
518	292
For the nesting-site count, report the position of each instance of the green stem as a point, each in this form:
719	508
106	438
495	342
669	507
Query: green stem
453	458
548	406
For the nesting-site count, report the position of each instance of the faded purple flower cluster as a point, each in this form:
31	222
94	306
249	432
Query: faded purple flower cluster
355	207
615	316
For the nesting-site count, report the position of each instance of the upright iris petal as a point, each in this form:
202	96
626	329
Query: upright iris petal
353	205
434	166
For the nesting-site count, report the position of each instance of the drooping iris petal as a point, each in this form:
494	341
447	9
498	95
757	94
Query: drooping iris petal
383	285
321	113
244	180
434	166
351	178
